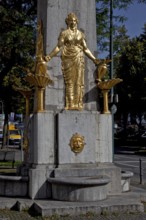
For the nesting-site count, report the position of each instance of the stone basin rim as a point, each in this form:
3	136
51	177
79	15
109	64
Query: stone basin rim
13	178
84	181
126	174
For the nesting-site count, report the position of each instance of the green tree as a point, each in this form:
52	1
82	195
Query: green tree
143	39
127	65
103	21
17	40
17	47
131	68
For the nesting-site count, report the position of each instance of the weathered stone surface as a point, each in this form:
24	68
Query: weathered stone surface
42	138
79	188
13	186
104	150
84	123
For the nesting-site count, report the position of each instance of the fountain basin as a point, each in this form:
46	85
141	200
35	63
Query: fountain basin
125	180
81	189
107	85
13	186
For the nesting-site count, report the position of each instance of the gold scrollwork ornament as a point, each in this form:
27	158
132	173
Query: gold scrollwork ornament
77	143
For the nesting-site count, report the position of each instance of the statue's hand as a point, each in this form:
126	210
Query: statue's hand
96	61
105	61
100	62
47	58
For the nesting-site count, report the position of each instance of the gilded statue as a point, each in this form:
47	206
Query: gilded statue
72	44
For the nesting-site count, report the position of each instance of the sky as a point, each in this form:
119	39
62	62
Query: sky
136	17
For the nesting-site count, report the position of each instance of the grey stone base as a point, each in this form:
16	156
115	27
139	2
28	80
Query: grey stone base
13	186
125	180
39	188
117	204
103	169
126	202
46	154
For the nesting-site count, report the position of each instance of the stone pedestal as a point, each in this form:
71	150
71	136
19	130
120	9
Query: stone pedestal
51	154
42	138
85	124
97	131
42	155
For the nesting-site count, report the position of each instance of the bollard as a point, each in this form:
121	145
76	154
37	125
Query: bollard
140	171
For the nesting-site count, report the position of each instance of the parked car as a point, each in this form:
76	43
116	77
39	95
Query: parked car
20	126
14	135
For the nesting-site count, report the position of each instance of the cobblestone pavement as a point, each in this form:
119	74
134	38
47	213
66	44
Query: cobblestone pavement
14	215
135	216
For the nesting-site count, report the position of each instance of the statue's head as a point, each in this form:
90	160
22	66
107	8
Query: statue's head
71	16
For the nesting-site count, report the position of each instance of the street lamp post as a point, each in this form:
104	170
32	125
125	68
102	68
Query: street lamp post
113	111
111	42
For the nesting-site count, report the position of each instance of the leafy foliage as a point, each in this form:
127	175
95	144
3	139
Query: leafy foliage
104	11
131	68
17	47
129	56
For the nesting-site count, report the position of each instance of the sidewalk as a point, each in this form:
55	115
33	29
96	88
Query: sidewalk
126	206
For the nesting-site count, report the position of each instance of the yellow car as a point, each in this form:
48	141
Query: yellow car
14	137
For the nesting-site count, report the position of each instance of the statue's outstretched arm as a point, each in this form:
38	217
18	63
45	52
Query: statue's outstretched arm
88	53
56	50
53	53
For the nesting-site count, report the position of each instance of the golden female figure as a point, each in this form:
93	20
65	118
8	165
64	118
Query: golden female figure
73	46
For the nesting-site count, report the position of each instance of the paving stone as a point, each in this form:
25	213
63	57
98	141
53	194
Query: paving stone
13	215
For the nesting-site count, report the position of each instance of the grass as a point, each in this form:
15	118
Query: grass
6	167
9	163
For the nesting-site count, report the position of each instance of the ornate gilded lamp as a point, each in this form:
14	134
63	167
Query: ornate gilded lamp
39	77
105	85
26	92
40	82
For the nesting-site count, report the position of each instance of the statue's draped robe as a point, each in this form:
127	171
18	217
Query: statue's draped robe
73	67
